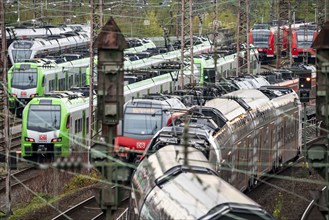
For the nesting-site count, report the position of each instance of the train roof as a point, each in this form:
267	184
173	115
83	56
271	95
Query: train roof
228	107
194	191
162	102
72	101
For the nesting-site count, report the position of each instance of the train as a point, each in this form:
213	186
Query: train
139	45
142	118
168	77
167	55
31	32
30	79
53	125
22	50
263	37
302	40
165	187
35	77
252	132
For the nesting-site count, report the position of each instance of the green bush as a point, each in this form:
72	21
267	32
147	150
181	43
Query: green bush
80	181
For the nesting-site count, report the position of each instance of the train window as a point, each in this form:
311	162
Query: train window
24	79
61	83
50	85
77	79
44	118
70	81
83	80
79	125
43	81
76	126
87	125
68	122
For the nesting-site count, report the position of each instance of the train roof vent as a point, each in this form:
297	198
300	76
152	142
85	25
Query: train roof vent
45	102
157	96
275	91
63	94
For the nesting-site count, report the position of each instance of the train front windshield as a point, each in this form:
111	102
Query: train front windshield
304	39
24	78
21	55
22	51
260	38
142	121
44	118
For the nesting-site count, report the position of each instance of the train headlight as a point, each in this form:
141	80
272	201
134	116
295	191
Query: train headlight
33	95
56	140
14	95
27	139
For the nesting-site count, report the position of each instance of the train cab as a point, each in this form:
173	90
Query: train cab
141	120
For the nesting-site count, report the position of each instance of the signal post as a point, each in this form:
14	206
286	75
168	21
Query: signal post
110	99
318	153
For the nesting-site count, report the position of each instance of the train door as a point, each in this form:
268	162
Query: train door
273	146
80	78
84	128
66	80
244	163
266	149
72	131
56	82
260	148
286	143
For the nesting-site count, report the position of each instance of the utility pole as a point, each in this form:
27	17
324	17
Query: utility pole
321	45
242	37
37	9
215	27
290	35
6	134
282	15
305	53
186	30
96	22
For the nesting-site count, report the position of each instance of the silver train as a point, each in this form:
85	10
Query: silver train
21	50
246	134
163	187
14	33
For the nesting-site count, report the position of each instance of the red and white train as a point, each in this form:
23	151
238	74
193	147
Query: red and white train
264	40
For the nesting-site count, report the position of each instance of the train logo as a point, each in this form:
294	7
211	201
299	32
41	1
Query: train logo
42	137
140	145
23	93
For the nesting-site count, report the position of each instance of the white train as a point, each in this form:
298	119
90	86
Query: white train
14	33
152	61
21	50
204	71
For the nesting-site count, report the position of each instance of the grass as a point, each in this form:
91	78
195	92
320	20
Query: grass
42	200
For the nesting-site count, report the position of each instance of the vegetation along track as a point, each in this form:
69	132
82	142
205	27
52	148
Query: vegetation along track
288	193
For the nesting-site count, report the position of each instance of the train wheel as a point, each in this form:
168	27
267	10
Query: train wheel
252	183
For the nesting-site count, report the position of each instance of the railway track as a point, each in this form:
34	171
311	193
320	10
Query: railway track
21	176
87	209
285	194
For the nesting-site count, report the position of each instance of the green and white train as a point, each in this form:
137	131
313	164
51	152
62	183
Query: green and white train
54	124
204	71
28	80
